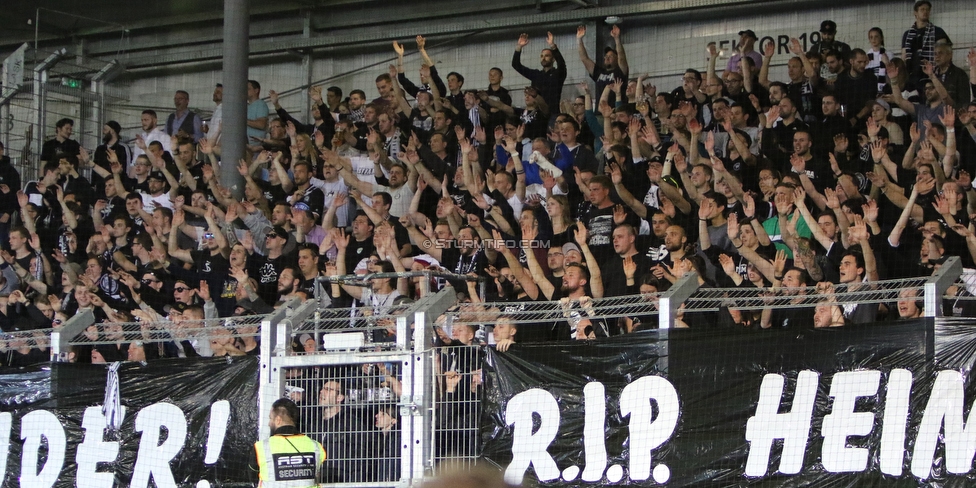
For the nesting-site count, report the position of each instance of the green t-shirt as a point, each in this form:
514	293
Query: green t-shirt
772	228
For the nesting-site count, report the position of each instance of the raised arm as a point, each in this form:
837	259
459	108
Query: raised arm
596	277
621	55
535	270
896	97
768	52
894	238
712	58
815	230
341	240
173	249
584	57
618	183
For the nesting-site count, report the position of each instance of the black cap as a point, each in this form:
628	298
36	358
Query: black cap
883	133
609	49
157	175
749	33
115	126
828	26
279	231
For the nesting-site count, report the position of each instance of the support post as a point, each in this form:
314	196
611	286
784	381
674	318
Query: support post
673	298
234	125
935	286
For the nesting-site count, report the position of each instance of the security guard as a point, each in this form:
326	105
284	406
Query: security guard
288	458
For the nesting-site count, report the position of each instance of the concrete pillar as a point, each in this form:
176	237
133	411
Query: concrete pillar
234	126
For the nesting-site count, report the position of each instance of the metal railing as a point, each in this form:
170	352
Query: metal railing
393	405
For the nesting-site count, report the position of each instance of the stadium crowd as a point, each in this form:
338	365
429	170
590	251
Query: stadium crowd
857	168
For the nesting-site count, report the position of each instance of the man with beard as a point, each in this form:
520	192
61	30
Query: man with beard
931	110
614	68
577	308
288	281
150	133
675	240
551	78
338	428
110	142
304	190
789	314
777	137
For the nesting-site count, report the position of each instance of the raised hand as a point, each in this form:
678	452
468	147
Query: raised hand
870	210
833	201
913	131
732	226
841	143
581	233
523	40
948	118
619	214
615	175
340	238
795	47
878	151
728	264
941	205
749	205
398	48
550	40
580	31
204	291
630	267
772	114
858	231
779	263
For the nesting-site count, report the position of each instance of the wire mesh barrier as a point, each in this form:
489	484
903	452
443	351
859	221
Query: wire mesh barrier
457	381
23	348
557	320
757	299
353	328
354	411
142	341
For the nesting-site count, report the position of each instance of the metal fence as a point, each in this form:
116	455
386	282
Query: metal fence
394	396
53	86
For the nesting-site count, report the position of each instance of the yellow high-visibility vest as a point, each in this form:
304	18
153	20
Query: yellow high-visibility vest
289	461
